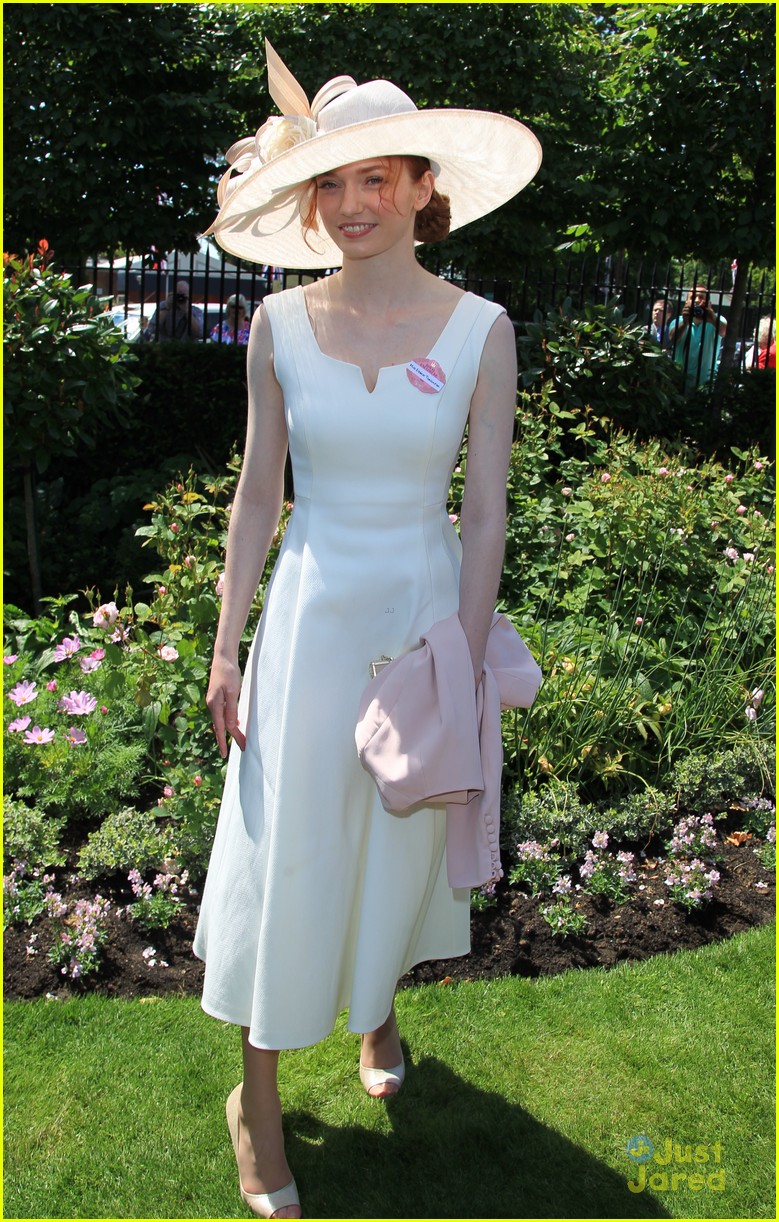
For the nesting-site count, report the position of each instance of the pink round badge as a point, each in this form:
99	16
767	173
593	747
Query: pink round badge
426	375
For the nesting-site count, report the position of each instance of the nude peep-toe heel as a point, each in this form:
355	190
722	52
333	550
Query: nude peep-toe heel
381	1083
262	1204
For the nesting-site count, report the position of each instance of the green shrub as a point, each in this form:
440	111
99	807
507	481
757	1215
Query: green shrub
712	782
644	587
597	360
30	835
126	839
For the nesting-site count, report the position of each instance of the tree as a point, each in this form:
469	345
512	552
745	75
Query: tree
118	116
65	367
535	62
686	163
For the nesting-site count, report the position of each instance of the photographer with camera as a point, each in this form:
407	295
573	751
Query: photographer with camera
695	339
176	318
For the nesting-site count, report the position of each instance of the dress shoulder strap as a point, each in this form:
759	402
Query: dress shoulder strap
467	330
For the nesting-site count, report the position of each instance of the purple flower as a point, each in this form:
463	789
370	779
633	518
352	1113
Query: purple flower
23	693
76	737
37	735
78	704
600	840
89	664
10	658
66	649
21	723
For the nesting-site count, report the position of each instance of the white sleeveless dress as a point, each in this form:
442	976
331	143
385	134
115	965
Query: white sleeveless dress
316	898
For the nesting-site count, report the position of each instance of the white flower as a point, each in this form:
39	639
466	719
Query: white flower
281	133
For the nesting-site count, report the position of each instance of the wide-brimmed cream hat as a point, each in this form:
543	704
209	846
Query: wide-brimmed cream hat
480	160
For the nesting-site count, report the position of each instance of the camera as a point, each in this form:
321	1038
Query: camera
181	298
698	311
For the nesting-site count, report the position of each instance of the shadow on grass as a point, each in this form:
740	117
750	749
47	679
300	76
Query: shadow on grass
454	1152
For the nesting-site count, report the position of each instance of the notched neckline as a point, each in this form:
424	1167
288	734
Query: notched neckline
382	368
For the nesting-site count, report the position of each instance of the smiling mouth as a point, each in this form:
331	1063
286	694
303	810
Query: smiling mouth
356	230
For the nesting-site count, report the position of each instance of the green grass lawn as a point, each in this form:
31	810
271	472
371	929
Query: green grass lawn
520	1100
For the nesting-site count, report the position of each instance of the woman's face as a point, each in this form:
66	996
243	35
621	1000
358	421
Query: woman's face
361	210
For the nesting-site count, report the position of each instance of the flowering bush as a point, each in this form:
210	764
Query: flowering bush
604	873
24	894
561	916
79	935
73	732
643	583
691	883
157	903
537	866
694	836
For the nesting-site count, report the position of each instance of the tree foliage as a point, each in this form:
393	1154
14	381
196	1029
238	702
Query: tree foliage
119	114
686	164
656	121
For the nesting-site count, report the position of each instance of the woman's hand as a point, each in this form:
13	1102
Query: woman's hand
224	689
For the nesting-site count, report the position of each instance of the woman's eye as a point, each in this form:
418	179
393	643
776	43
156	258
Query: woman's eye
375	181
326	185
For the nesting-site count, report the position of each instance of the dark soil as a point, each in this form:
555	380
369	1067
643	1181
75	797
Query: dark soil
510	938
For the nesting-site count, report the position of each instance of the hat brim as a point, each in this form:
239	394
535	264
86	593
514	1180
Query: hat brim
485	159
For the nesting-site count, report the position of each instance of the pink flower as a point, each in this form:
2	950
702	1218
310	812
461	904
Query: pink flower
729	479
759	466
605	478
23	693
21	723
10	658
105	616
67	647
98	653
567	491
120	634
570	538
663	471
731	553
76	737
189	561
168	653
748	556
174	526
220	585
639	620
89	664
168	791
162	591
197	781
78	704
51	686
37	735
741	509
453	518
103	709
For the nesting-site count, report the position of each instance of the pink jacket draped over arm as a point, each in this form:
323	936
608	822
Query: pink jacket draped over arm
429	739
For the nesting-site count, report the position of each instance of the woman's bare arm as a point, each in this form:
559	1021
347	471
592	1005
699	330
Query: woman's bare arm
253	520
483	519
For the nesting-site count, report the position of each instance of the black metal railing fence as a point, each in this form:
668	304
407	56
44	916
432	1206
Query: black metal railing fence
142	290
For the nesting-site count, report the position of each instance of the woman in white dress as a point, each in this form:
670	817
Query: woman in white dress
317	898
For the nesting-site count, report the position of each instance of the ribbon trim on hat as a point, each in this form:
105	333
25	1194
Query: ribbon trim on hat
296	124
